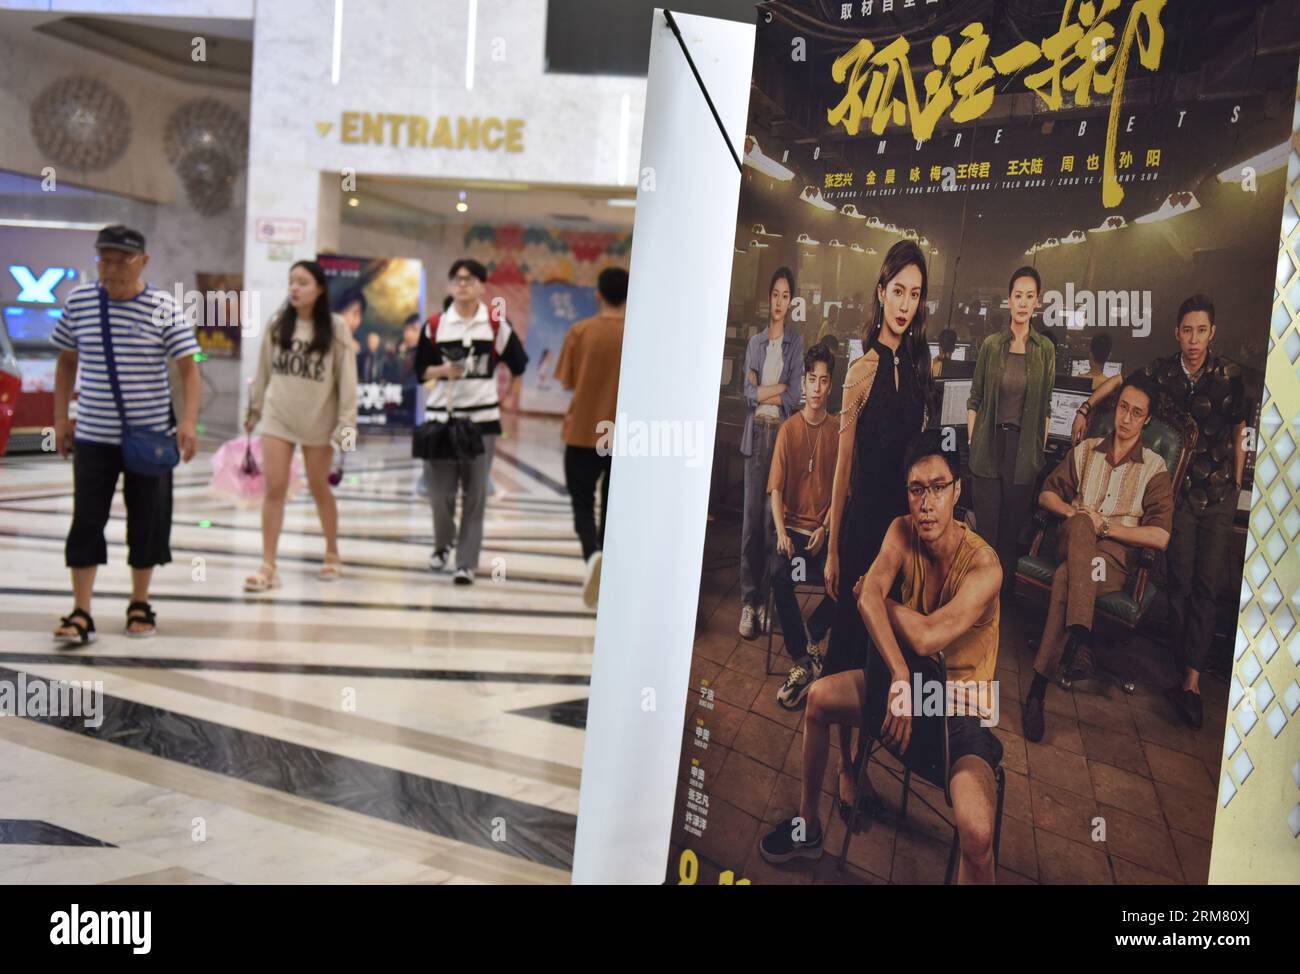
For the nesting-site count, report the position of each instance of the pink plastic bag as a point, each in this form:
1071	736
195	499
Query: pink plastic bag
237	471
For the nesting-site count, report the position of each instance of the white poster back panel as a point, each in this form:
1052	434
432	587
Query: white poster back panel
682	244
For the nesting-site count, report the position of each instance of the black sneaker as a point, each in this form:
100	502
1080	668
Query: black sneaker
438	560
1187	703
463	576
1031	719
797	682
780	845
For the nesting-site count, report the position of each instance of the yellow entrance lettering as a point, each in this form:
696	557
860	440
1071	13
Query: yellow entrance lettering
514	135
395	123
466	131
442	133
417	133
372	128
351	126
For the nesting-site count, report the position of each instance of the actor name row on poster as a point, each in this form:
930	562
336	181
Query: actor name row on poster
969	172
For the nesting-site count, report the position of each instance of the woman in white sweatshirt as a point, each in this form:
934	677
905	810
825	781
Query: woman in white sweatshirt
305	394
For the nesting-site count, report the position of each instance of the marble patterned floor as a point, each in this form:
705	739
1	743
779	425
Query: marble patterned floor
389	727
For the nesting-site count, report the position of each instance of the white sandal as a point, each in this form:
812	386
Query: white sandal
266	579
332	570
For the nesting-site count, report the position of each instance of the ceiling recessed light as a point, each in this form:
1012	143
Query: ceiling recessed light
353	201
462	207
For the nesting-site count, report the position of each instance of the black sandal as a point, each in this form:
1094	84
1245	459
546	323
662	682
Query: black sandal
85	630
141	612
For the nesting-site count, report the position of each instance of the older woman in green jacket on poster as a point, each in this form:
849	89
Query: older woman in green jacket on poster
1007	420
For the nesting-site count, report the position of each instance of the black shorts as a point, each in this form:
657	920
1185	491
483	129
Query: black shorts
96	468
925	748
967	736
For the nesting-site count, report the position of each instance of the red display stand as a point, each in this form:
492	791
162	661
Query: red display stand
10	387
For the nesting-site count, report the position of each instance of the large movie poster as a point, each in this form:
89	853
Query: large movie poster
382	301
999	313
554	309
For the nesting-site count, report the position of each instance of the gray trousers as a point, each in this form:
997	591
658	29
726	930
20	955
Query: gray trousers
757	532
446	479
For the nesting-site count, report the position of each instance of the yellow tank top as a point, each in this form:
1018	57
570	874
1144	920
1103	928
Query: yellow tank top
972	656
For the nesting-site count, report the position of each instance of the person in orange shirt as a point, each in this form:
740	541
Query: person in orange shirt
800	482
588	365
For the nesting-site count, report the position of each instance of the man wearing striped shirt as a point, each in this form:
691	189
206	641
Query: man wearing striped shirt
459	351
1116	496
147	328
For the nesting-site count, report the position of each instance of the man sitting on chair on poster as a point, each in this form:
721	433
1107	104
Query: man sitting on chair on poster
1114	496
950	583
800	482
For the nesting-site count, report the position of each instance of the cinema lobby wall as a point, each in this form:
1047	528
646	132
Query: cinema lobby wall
304	143
141	188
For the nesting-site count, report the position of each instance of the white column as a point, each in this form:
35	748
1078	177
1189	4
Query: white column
292	44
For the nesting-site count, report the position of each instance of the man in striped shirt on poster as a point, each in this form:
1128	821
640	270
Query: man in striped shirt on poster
146	328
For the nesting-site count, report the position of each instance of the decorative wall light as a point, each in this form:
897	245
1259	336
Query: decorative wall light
206	142
81	123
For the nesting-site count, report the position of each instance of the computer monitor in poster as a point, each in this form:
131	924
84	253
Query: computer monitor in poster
1065	403
952	412
1081	367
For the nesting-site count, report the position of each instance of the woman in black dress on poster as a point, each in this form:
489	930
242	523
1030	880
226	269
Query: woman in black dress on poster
885	397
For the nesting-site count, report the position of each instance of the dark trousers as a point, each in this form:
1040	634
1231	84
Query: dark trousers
582	467
802	569
95	469
1002	505
1197	561
756	530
